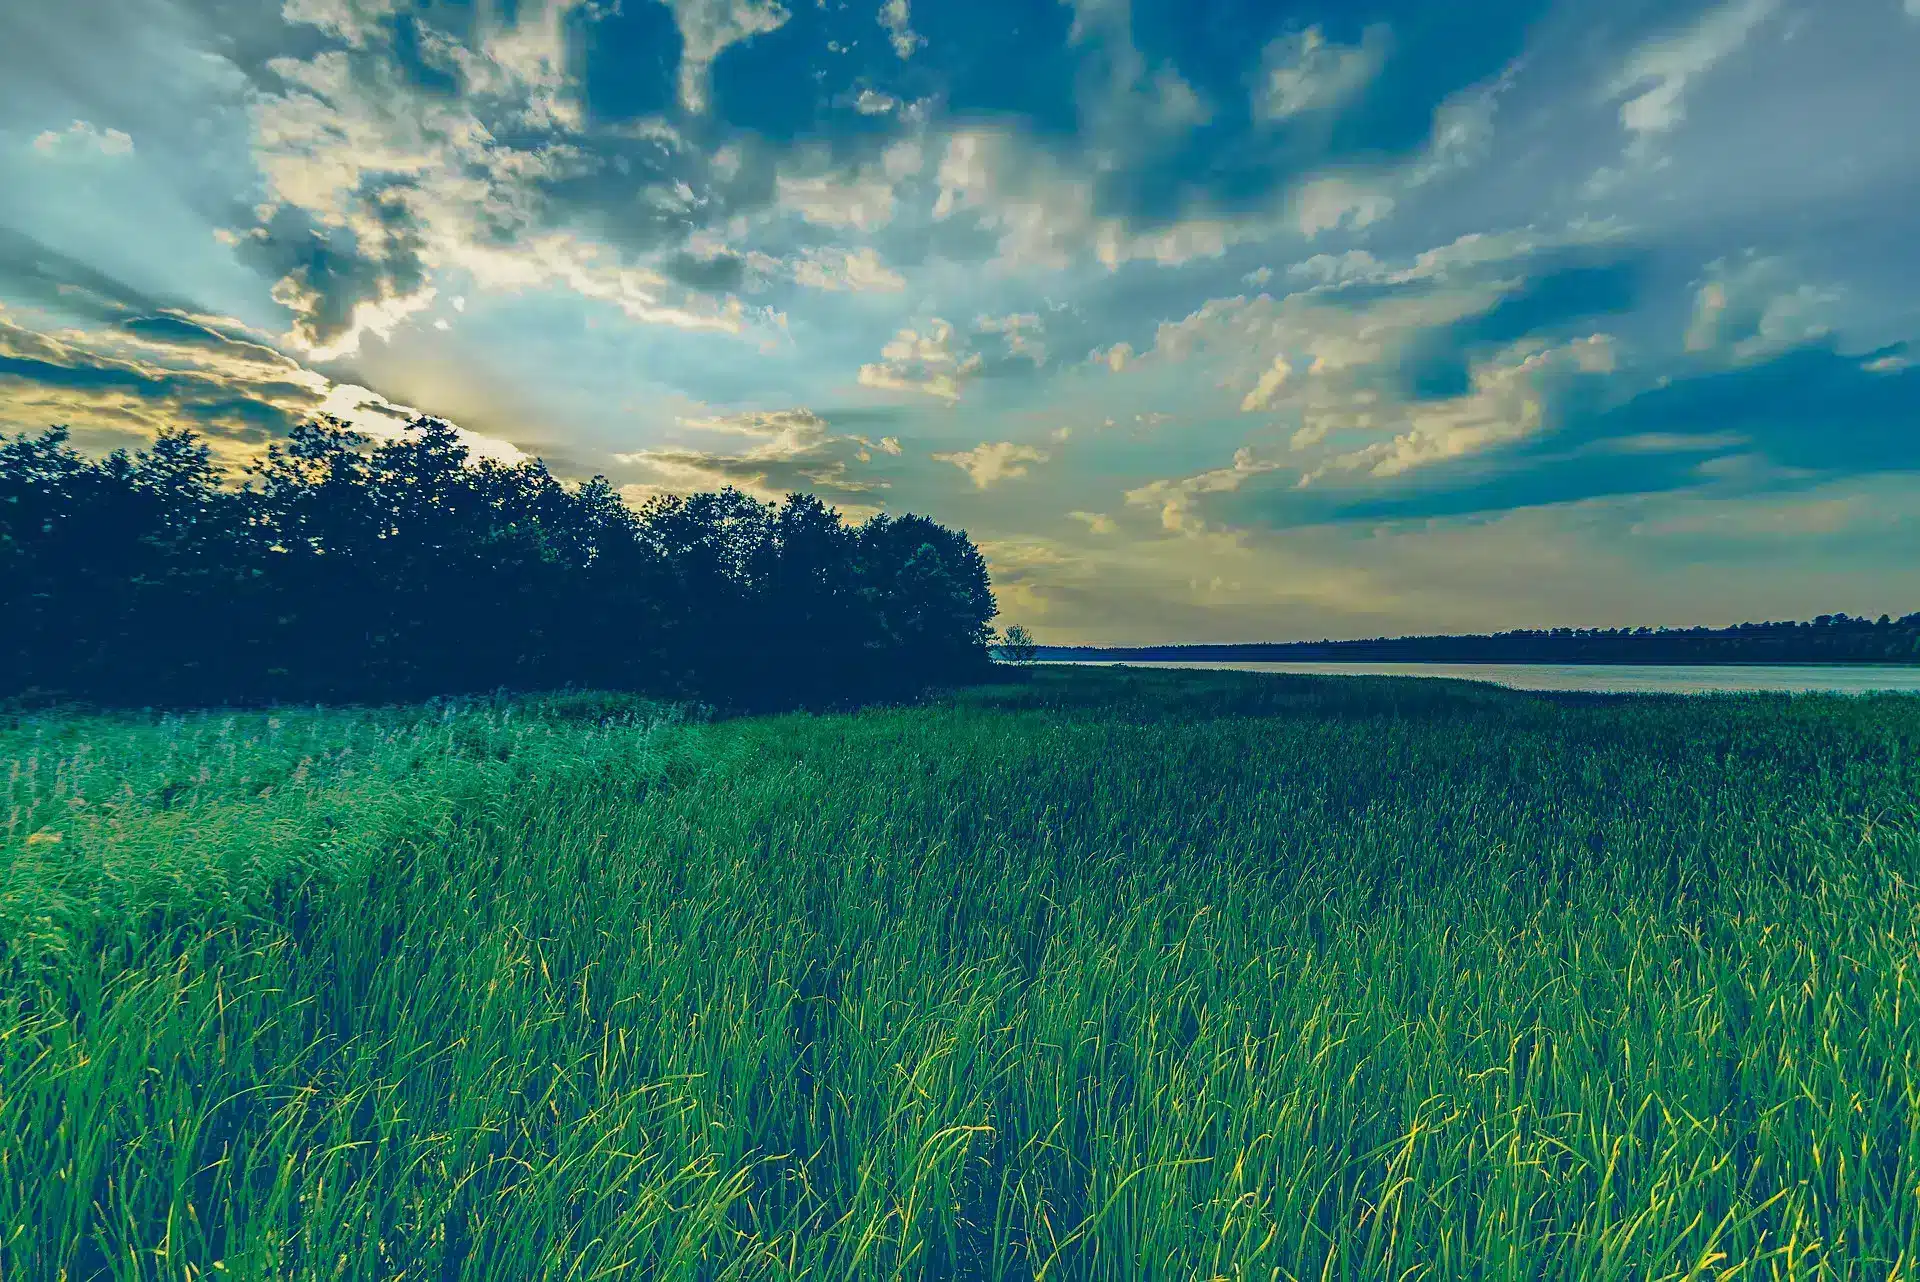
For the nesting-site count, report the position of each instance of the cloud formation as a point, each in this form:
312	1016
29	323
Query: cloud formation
990	463
1304	72
1321	319
81	138
925	362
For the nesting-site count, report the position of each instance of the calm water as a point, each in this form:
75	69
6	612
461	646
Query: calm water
1612	678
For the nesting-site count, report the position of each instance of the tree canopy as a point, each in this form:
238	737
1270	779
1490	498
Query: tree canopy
343	569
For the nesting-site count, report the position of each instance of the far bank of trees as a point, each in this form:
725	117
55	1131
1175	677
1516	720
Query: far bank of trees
1829	638
341	570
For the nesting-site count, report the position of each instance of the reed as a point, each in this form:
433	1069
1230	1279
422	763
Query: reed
1095	975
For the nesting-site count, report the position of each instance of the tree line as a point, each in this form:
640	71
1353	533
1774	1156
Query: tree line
341	569
1828	638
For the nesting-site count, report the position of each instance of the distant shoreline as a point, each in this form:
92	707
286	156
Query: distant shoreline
1829	639
1042	657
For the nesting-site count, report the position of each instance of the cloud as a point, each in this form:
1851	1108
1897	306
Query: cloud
172	369
789	450
990	463
1506	402
894	17
1302	72
377	417
1324	204
707	29
1044	213
782	434
925	363
873	103
1096	522
1018	328
856	271
1272	379
135	383
864	202
1178	499
81	138
1660	70
1750	309
375	186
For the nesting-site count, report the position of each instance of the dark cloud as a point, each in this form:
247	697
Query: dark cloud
325	273
1803	418
721	272
251	392
1563	302
34	274
1813	408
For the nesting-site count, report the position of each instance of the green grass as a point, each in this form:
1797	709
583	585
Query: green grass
1100	975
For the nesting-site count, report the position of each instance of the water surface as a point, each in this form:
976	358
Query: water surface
1611	678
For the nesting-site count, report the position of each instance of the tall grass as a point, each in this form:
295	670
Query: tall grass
1103	975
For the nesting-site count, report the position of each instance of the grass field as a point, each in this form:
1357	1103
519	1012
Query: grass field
1096	975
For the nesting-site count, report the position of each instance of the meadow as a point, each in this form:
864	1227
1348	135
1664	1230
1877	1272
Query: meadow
1092	974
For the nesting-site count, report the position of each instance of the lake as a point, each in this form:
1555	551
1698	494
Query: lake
1607	678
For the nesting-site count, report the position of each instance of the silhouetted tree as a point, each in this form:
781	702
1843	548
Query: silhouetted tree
342	568
1017	645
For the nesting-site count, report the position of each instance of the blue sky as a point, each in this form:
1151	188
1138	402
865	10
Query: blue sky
1208	319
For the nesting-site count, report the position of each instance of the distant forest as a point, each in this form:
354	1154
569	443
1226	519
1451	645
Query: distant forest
343	570
1830	638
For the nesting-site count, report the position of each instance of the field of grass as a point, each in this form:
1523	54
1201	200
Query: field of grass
1096	975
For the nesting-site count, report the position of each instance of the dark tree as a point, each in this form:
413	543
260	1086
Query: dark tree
342	569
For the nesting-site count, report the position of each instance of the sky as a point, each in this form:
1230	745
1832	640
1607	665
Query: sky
1209	320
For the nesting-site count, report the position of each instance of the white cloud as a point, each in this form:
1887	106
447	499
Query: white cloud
990	463
1506	402
1116	358
1709	305
1302	72
1753	309
864	201
422	187
374	415
1271	380
81	138
1096	522
902	160
873	103
1458	257
349	20
856	271
1462	129
788	449
1661	70
379	316
780	434
1178	499
707	28
1044	211
895	17
1018	328
1337	269
1324	204
925	363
